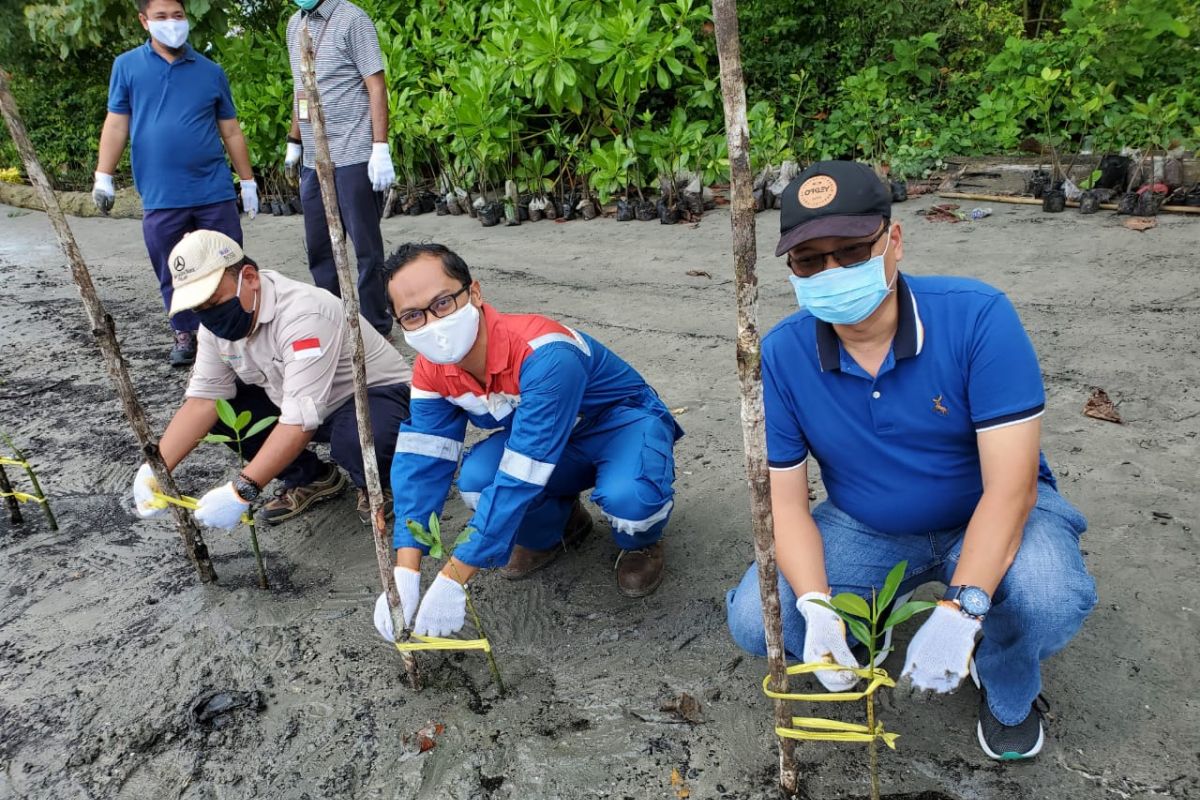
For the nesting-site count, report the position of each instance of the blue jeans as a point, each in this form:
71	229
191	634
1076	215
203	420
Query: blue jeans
1037	609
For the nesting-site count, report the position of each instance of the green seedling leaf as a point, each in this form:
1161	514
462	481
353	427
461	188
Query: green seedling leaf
258	427
216	438
851	603
464	536
418	532
435	527
891	584
860	630
243	419
226	413
905	611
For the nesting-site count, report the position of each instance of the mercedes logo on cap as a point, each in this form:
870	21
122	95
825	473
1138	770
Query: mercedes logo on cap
179	264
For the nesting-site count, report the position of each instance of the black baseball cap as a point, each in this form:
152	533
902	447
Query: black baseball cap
832	198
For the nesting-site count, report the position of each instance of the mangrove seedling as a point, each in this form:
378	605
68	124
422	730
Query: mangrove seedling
869	625
431	537
242	429
38	496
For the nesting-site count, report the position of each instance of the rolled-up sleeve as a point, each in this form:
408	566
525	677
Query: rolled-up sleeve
311	345
212	378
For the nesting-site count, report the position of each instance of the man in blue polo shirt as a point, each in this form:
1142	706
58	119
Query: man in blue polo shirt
920	398
175	107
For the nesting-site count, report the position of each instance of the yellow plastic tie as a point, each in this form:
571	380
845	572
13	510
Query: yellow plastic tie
183	501
829	730
22	497
12	462
440	643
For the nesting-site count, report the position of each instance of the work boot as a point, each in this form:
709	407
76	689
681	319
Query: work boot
364	506
639	572
183	353
291	501
525	561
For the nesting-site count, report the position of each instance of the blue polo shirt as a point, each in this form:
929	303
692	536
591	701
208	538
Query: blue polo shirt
175	146
898	452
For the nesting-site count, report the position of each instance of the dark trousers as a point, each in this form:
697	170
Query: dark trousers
162	228
360	207
389	408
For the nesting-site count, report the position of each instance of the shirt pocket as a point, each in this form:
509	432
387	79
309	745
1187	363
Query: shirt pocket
251	374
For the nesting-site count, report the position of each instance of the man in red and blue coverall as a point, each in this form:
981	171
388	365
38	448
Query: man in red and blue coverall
571	415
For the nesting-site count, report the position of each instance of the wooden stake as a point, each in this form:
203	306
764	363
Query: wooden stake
733	92
105	333
14	505
349	290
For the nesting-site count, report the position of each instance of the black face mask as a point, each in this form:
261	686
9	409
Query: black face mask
228	320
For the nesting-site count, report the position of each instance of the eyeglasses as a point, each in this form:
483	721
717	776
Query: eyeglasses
443	306
850	256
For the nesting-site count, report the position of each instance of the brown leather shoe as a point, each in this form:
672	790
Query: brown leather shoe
290	502
639	572
525	561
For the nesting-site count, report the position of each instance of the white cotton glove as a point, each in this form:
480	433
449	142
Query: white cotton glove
444	609
103	193
221	507
408	584
291	161
144	487
940	650
825	640
379	169
250	198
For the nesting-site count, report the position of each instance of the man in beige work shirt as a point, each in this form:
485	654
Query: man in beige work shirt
274	347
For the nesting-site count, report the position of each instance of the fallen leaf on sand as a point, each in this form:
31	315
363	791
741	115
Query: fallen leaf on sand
1140	223
1098	406
698	273
425	739
681	788
685	707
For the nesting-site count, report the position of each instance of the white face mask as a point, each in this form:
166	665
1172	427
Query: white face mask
449	339
170	32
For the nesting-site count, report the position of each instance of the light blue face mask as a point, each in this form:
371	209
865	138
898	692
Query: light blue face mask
845	296
307	5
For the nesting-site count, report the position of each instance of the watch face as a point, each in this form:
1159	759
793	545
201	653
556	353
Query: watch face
975	601
246	490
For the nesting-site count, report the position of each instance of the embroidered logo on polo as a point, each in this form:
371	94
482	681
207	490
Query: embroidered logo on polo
307	348
939	407
817	192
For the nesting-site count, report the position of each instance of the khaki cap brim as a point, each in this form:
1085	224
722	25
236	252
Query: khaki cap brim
188	297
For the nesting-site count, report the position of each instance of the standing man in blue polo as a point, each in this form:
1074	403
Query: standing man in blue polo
174	106
353	91
921	399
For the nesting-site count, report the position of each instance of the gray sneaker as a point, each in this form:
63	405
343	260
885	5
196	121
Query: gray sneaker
183	353
1008	742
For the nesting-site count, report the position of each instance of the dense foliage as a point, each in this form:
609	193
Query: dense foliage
556	93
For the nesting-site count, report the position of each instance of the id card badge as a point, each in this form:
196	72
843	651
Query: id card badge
302	106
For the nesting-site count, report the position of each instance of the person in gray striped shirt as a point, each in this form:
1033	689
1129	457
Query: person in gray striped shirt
353	91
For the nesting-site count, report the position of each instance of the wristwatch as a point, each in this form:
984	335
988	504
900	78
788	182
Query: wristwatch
973	601
246	489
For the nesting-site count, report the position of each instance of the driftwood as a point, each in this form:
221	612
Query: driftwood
733	92
105	334
1030	201
349	290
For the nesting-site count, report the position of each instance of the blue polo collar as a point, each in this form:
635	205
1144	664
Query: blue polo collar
908	341
188	53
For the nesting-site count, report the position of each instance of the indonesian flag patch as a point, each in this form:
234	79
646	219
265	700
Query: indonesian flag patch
306	348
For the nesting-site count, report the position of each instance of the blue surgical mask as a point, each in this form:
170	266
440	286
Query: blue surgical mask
307	5
228	320
847	295
170	32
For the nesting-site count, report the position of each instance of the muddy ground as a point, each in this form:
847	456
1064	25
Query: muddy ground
108	644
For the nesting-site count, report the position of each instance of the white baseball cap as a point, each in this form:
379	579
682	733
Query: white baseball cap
196	265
